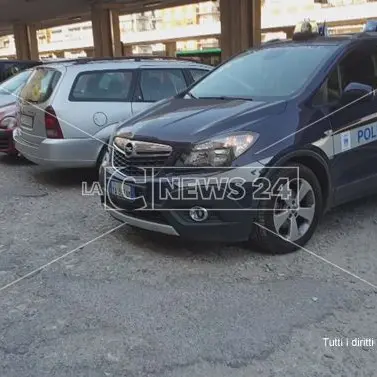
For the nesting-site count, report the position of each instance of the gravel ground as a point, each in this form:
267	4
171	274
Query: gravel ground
139	304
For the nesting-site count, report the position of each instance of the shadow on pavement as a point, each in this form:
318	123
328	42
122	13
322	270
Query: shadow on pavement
66	177
171	246
14	160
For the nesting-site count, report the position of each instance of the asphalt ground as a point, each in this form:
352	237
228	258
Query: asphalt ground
133	303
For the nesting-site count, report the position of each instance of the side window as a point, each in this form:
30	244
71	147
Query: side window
358	67
157	84
102	86
197	73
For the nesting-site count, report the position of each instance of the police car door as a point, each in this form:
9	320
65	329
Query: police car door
354	127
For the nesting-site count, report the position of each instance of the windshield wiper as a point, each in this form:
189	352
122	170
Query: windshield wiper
191	95
226	98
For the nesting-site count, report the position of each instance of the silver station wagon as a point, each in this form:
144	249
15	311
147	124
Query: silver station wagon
67	111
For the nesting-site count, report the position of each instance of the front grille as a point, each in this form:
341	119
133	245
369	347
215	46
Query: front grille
5	141
141	161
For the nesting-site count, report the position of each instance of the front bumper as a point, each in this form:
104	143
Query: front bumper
6	141
139	222
228	220
60	153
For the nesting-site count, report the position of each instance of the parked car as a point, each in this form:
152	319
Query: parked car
294	121
9	68
68	110
9	92
7	125
11	88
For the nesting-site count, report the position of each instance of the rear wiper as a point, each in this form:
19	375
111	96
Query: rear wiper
226	98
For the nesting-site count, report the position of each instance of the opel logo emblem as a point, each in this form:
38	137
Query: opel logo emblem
129	149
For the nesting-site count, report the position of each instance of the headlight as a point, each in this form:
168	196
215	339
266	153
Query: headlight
106	158
8	122
110	145
220	151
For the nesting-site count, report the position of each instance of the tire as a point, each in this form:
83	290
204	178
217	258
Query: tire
14	155
274	238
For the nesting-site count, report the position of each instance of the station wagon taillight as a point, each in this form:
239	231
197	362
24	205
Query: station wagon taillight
53	130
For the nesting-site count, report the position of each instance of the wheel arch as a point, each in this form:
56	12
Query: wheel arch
318	162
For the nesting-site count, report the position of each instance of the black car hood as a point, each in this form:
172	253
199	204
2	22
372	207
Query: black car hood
193	120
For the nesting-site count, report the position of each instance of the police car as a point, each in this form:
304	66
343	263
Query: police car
293	122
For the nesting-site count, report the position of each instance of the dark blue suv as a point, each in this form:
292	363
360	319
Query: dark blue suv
257	150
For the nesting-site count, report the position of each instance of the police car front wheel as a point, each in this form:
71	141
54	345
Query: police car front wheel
289	218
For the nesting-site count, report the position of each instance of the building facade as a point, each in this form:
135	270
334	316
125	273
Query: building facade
194	26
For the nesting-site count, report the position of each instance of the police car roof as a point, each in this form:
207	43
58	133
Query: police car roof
339	39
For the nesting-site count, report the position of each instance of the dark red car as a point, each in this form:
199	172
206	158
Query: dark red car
7	125
9	92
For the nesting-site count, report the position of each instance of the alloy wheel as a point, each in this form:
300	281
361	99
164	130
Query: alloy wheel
294	215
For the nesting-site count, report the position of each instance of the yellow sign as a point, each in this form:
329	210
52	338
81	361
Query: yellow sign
33	90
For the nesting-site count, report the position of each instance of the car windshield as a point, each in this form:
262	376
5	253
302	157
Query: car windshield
268	72
14	84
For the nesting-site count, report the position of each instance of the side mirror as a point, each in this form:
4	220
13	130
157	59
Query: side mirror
356	91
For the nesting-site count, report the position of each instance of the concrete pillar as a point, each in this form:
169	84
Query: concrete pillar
89	52
170	49
25	38
240	26
106	32
289	32
127	50
59	54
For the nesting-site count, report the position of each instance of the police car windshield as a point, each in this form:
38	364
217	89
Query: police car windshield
268	72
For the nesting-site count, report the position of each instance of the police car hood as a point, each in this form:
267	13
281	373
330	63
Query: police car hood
193	120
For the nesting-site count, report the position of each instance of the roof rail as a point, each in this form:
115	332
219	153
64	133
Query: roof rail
57	61
273	41
137	58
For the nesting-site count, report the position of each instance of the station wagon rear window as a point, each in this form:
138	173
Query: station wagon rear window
41	85
102	86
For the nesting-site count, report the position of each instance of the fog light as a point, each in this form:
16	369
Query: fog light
198	214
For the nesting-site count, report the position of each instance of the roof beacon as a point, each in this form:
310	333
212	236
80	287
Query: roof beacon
370	26
309	29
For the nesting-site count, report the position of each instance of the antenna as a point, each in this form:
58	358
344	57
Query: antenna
322	29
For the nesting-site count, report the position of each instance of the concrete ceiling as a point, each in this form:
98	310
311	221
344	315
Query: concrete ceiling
48	13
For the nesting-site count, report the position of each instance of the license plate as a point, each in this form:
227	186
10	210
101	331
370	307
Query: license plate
26	121
122	190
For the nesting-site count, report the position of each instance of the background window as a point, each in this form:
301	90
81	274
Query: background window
102	86
197	73
157	84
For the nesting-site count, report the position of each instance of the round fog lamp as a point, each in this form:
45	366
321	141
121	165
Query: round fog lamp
198	214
